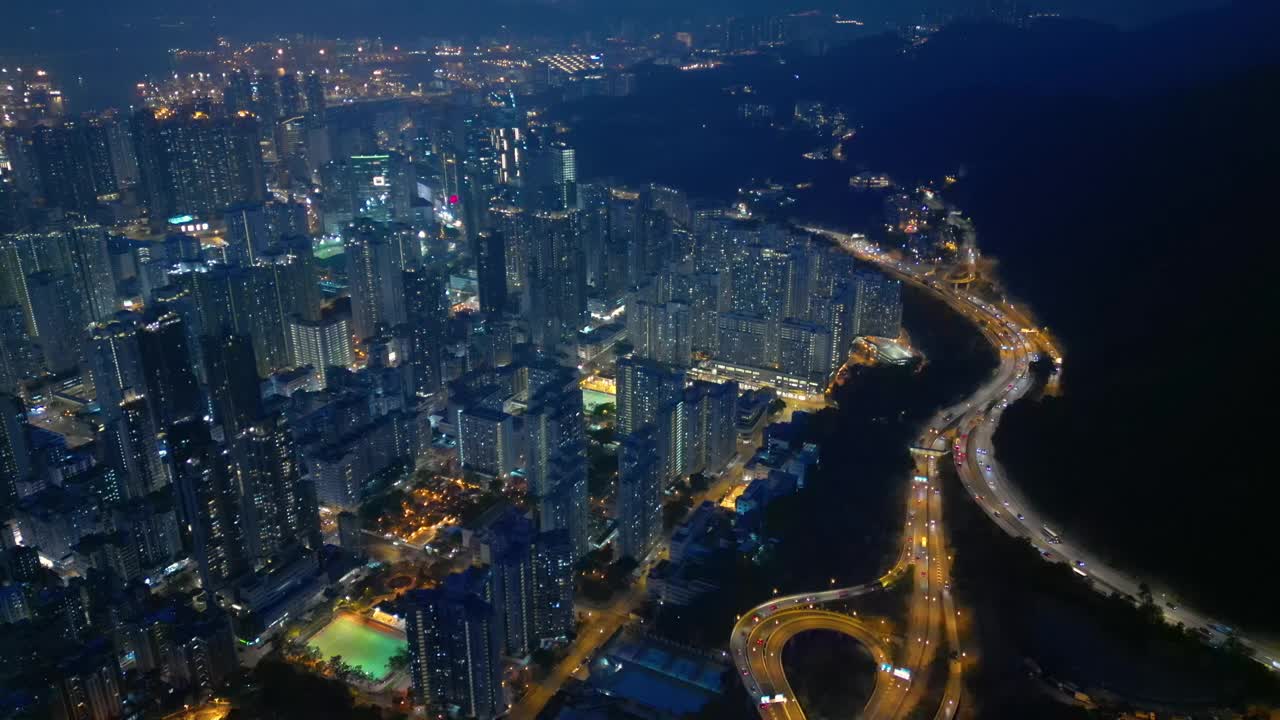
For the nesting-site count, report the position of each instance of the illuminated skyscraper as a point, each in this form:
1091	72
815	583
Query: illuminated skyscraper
877	308
380	186
15	447
564	176
276	506
376	282
248	233
486	444
56	319
553	563
491	271
207	495
91	269
194	162
644	389
454	647
233	381
74	164
639	509
131	449
172	391
556	278
320	344
556	461
427	312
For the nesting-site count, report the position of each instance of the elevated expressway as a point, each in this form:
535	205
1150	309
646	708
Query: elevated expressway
762	632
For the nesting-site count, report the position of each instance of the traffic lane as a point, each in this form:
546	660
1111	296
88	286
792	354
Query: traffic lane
793	623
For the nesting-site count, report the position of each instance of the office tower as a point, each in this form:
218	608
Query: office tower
553	561
248	233
557	305
56	319
233	381
276	507
644	388
207	497
380	186
485	441
15	447
639	504
877	305
454	649
130	447
193	162
555	464
320	344
376	280
491	271
427	311
171	388
563	166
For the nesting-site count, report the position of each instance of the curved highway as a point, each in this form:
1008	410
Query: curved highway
982	475
761	633
931	615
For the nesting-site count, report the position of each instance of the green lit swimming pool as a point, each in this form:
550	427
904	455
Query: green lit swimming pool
362	644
